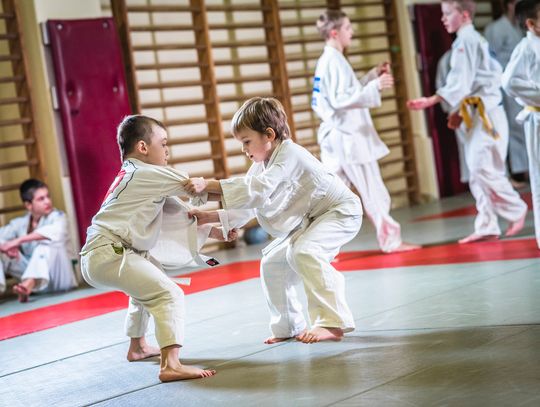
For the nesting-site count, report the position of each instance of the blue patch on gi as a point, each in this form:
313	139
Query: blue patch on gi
313	101
316	84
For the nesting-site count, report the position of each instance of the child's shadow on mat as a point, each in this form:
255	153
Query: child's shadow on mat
361	358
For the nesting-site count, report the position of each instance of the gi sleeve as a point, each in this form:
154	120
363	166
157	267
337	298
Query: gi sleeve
57	230
341	95
7	233
234	219
517	80
252	191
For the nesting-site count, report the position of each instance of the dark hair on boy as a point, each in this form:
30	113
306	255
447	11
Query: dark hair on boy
526	9
29	187
259	114
133	129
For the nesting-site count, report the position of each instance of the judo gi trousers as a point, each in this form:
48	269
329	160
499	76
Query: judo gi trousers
304	257
375	198
532	137
151	292
49	265
492	191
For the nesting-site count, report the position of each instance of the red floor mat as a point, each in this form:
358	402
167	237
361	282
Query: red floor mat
76	310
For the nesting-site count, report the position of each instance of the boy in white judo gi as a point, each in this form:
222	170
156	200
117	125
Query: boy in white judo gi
140	202
36	248
473	90
350	145
503	35
309	211
521	80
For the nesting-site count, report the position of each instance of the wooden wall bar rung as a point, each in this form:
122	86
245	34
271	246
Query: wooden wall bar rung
397	144
161	9
15	122
154	28
175	103
390	129
239	44
393	161
311	22
191	139
321	5
237	25
9	79
175	84
236	7
19	164
170	65
190	120
317	38
11	209
11	187
251	78
193	158
12	101
10	57
17	143
7	16
165	47
8	36
246	61
399	175
244	97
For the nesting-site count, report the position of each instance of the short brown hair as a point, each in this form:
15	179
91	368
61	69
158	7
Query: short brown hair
259	114
328	21
464	5
134	128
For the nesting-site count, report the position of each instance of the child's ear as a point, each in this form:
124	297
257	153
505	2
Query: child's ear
141	147
270	133
529	23
28	206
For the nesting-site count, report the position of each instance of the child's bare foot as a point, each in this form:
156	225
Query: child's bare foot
273	339
183	372
142	353
477	238
320	333
405	247
22	292
515	227
139	350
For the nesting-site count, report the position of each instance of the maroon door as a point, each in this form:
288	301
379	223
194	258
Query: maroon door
93	99
432	42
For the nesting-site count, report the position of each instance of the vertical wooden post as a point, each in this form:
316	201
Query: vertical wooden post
396	55
278	61
23	90
209	85
120	17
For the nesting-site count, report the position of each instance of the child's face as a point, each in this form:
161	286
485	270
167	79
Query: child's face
345	33
41	204
452	17
258	147
157	152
